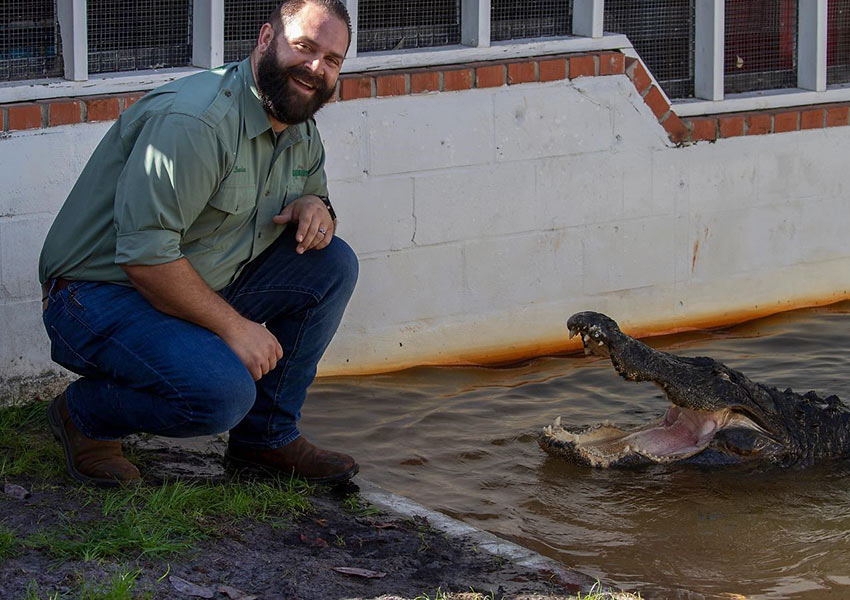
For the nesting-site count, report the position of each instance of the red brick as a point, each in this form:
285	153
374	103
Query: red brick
704	129
638	75
731	125
490	76
523	72
811	119
582	66
457	79
128	100
786	121
64	112
612	63
392	85
2	119
674	126
759	123
836	116
352	88
657	102
102	108
553	70
425	81
24	116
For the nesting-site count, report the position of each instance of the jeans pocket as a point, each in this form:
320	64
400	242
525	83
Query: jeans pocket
64	353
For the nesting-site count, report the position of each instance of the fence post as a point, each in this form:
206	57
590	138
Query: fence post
207	33
74	27
709	32
475	23
811	45
588	18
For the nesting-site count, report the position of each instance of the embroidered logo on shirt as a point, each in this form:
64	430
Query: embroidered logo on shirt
239	169
300	172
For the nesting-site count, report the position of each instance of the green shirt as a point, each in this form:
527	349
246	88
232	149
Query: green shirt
191	170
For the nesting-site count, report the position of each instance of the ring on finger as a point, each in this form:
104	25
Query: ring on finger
322	231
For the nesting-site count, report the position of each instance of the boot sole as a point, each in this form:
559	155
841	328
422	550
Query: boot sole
55	422
267	470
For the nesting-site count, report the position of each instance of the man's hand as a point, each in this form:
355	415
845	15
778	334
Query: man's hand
176	289
315	226
255	346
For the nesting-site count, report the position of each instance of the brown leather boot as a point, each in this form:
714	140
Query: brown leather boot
95	462
300	458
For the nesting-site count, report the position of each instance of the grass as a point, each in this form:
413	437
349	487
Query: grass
164	521
129	523
26	446
120	587
8	542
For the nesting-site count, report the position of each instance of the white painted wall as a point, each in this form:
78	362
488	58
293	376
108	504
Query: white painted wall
484	218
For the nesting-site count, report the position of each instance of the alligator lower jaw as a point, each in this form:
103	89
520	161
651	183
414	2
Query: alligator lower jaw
679	434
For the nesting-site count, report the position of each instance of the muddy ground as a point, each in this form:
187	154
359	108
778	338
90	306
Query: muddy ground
300	559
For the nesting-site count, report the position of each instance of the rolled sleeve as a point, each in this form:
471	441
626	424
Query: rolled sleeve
173	169
151	247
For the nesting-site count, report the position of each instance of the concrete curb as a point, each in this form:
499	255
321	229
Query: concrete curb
519	556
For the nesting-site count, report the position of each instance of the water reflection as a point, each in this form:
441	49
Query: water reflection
462	441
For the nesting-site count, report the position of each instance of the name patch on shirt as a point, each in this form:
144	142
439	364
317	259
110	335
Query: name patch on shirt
300	172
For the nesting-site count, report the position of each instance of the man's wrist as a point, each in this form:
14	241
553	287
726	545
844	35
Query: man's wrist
327	202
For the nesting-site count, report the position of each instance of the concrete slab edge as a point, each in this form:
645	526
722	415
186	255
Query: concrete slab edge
517	555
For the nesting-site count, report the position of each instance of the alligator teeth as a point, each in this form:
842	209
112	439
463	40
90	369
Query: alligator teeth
557	421
572	332
600	343
585	338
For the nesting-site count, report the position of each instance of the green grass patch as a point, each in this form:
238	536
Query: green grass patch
163	521
8	542
26	444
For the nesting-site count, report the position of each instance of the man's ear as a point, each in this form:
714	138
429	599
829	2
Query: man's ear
266	37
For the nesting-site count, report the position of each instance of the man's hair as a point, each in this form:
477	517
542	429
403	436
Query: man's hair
287	9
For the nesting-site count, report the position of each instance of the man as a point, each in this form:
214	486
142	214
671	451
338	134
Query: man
201	216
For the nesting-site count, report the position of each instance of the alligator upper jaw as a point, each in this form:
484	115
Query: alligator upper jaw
679	434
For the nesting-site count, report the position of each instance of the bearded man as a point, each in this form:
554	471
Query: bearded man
192	277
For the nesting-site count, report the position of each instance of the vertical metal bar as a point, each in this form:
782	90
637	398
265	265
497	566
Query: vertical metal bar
588	18
709	31
811	45
353	13
207	33
475	23
74	27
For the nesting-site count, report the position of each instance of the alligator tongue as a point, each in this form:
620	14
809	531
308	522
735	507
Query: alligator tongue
679	434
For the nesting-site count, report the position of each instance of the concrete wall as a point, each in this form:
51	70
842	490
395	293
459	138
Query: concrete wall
483	218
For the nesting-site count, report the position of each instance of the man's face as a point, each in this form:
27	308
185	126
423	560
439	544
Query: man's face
298	71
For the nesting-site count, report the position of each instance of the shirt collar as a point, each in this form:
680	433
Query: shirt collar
256	120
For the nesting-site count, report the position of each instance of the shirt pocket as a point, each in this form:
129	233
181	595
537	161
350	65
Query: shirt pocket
294	190
226	212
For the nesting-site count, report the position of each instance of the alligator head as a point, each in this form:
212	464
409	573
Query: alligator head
717	415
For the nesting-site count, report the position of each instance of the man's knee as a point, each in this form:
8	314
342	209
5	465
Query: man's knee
222	402
345	265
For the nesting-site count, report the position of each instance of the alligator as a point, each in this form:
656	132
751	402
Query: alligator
718	416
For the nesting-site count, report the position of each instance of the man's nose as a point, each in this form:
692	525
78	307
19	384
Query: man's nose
315	65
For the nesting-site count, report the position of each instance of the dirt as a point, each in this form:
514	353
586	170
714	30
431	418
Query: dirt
397	558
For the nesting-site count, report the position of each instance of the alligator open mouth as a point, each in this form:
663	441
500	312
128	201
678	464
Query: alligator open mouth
682	432
679	434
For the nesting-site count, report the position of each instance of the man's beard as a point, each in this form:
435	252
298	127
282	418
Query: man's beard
277	96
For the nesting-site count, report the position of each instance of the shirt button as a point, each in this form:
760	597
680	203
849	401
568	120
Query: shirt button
227	93
268	192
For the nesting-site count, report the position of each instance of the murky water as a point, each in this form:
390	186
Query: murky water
462	441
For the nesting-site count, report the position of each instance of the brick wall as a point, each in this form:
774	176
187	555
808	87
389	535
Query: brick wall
452	78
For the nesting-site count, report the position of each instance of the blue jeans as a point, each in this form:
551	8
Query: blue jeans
145	371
